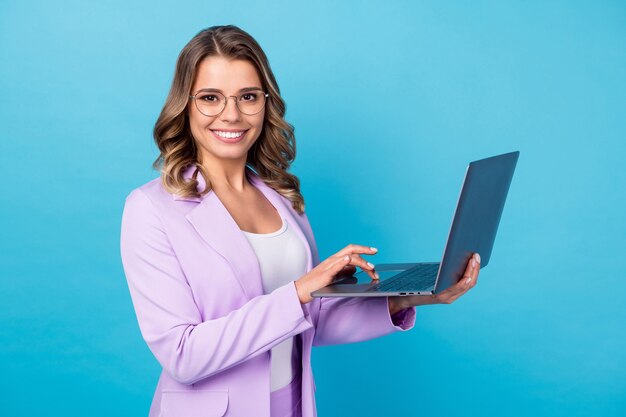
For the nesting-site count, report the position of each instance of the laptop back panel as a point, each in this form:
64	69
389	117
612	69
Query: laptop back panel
477	216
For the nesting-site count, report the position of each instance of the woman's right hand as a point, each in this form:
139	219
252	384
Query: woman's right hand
324	273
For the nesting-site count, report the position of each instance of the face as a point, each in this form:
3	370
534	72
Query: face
229	77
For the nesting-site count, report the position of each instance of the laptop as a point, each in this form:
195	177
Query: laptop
473	229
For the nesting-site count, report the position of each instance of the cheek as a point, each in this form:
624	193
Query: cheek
193	127
194	120
258	121
197	123
258	126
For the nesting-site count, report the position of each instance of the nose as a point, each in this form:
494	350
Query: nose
230	112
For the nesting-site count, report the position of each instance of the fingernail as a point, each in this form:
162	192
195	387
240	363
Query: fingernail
376	275
371	265
347	258
374	249
473	263
477	257
468	280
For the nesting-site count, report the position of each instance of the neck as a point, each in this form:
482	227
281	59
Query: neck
226	174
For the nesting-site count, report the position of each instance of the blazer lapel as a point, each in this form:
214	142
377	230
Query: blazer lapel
216	226
218	229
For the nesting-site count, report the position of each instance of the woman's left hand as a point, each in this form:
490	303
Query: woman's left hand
448	296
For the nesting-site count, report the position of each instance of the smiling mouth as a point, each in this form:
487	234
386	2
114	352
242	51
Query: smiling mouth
229	134
231	137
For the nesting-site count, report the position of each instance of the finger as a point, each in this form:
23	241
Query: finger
449	295
467	282
334	268
356	260
331	271
368	267
477	268
461	287
348	270
472	277
352	248
471	272
469	278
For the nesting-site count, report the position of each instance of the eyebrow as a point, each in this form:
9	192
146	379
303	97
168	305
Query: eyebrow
220	91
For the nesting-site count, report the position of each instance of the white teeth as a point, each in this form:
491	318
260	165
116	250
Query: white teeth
229	135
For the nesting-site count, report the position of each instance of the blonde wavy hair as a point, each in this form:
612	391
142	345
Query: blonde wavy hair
272	153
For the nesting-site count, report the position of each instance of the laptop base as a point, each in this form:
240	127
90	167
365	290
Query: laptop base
361	285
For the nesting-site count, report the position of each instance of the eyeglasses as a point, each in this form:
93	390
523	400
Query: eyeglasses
212	103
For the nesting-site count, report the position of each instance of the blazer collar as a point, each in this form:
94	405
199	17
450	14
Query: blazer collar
216	226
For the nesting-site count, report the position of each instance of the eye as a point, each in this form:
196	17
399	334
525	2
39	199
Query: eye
249	96
209	98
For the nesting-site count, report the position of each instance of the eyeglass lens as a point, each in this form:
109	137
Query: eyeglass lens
212	103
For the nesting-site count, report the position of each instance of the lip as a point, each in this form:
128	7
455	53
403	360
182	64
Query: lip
229	140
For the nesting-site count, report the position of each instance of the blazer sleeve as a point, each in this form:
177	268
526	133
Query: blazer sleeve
187	347
353	319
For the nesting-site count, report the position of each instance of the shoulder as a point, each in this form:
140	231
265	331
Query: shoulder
151	204
139	202
149	208
150	193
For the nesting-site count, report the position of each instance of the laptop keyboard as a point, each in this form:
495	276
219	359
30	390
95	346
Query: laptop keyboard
418	278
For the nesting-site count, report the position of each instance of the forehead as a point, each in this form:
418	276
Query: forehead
228	75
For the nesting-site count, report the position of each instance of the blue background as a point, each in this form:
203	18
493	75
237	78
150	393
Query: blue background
390	101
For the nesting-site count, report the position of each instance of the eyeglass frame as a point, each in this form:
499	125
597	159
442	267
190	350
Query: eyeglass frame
266	95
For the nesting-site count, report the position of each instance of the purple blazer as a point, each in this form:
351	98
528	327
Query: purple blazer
196	287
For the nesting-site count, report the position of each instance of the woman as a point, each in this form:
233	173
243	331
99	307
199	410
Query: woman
219	254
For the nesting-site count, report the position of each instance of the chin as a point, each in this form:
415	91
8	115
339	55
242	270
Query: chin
231	154
227	152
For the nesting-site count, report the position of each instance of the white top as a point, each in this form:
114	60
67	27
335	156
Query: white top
283	258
